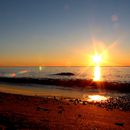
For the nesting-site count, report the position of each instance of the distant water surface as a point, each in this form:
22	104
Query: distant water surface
110	74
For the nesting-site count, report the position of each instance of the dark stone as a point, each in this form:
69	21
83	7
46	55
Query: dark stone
119	124
79	115
60	112
65	74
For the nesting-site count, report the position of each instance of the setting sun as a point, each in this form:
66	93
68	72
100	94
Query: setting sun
97	59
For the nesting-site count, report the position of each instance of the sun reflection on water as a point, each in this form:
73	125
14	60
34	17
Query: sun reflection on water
97	59
97	73
96	98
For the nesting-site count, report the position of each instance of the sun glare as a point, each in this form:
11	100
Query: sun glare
96	98
97	59
40	68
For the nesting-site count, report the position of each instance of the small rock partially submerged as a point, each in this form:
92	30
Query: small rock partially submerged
65	74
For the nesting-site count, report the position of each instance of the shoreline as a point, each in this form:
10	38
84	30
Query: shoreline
104	85
33	112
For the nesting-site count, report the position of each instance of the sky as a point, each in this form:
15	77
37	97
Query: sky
64	32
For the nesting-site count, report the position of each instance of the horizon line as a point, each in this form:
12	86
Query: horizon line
67	66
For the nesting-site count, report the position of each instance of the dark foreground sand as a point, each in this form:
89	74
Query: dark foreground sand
38	113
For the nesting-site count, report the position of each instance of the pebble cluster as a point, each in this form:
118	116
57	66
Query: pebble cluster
122	103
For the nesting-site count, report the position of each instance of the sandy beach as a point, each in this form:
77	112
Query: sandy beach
18	112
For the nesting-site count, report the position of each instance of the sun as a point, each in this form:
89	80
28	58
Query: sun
97	58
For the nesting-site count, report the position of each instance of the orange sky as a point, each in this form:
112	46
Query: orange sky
79	57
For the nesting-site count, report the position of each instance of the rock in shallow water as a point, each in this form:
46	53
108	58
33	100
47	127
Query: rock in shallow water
65	74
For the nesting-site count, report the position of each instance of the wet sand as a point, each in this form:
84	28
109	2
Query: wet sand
18	112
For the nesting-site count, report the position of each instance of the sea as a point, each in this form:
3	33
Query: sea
109	74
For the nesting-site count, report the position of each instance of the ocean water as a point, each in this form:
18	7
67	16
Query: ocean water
110	74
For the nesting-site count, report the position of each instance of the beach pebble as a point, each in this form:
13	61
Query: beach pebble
60	111
42	109
84	103
79	115
119	124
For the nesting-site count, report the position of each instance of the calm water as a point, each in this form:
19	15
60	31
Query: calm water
117	74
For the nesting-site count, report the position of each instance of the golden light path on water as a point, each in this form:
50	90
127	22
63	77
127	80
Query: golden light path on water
97	73
97	69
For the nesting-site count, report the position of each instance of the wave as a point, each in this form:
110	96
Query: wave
123	87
